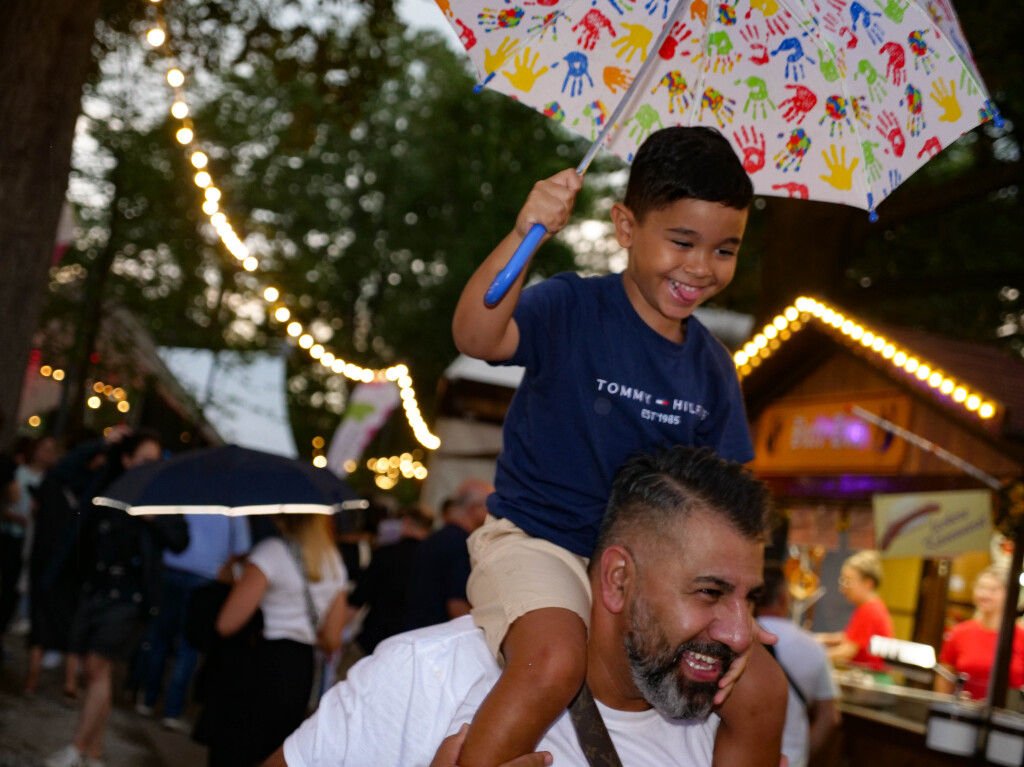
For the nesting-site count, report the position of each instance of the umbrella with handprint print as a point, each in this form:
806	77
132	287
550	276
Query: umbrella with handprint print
833	100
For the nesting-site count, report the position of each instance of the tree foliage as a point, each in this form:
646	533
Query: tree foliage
355	161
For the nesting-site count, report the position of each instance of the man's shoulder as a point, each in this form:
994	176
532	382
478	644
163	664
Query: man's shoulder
395	706
448	658
461	634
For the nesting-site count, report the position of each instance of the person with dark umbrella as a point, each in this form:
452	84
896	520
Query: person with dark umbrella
119	593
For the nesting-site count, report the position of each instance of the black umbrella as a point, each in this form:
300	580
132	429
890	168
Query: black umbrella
229	480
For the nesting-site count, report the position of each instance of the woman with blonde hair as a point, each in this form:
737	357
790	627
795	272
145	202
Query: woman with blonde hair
859	579
298	582
970	647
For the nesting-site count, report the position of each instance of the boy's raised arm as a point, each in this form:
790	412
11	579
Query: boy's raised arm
489	332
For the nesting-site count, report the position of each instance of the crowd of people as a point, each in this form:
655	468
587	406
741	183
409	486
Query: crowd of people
235	618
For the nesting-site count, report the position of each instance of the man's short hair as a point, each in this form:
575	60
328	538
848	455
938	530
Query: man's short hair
680	163
651	493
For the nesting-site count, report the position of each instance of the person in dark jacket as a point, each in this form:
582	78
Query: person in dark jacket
55	581
441	565
120	591
385	584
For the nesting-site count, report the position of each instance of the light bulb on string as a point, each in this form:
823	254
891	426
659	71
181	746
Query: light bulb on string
175	78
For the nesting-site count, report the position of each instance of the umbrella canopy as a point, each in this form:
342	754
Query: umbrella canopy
228	480
830	100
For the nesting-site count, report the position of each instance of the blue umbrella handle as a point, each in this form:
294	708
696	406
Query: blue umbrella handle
515	265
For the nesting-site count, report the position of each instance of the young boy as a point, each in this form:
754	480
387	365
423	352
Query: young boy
614	365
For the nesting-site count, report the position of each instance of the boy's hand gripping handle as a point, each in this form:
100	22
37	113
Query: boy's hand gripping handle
531	242
515	264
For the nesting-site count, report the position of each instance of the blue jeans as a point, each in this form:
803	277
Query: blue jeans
165	630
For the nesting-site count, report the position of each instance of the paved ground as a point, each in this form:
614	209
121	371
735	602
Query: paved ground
33	728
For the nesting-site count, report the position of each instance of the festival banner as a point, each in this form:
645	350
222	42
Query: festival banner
369	406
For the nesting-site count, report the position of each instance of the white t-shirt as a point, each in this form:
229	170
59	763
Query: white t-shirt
283	603
397	705
807	665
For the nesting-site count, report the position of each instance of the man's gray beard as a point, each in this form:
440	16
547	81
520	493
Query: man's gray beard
656	671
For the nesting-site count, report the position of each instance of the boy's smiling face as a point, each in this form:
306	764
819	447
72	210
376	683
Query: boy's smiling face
679	257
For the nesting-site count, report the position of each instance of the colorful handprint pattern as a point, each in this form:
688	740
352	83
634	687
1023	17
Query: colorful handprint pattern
836	100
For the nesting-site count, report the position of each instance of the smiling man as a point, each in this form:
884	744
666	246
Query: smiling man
678	562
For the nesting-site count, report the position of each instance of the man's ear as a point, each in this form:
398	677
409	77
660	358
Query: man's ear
625	224
617	578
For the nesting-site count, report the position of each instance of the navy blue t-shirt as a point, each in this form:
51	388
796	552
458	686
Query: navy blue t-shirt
602	385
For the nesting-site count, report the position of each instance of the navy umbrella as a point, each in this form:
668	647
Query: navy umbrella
229	480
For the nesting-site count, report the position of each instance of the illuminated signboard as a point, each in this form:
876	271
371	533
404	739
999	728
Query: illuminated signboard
818	434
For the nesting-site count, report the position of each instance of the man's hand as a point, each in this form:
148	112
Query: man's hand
727	682
448	754
550	202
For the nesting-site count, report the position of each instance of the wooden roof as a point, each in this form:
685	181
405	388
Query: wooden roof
979	386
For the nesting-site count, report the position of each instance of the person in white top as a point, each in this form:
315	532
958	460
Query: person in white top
678	560
298	581
811	713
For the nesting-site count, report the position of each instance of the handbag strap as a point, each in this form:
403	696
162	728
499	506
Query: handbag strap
295	550
590	730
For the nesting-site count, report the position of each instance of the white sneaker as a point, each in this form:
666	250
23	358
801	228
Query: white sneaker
68	756
143	710
176	724
52	659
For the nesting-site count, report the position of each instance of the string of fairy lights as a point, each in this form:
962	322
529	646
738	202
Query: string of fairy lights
186	135
795	317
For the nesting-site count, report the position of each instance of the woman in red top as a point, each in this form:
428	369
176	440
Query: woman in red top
858	581
970	647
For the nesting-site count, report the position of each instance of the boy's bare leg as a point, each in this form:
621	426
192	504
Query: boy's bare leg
546	663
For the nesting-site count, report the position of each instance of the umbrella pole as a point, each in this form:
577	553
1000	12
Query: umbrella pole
507	276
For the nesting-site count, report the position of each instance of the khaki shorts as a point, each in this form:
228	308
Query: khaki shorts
514	573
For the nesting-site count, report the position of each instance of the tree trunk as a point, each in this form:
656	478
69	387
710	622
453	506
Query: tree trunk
44	60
